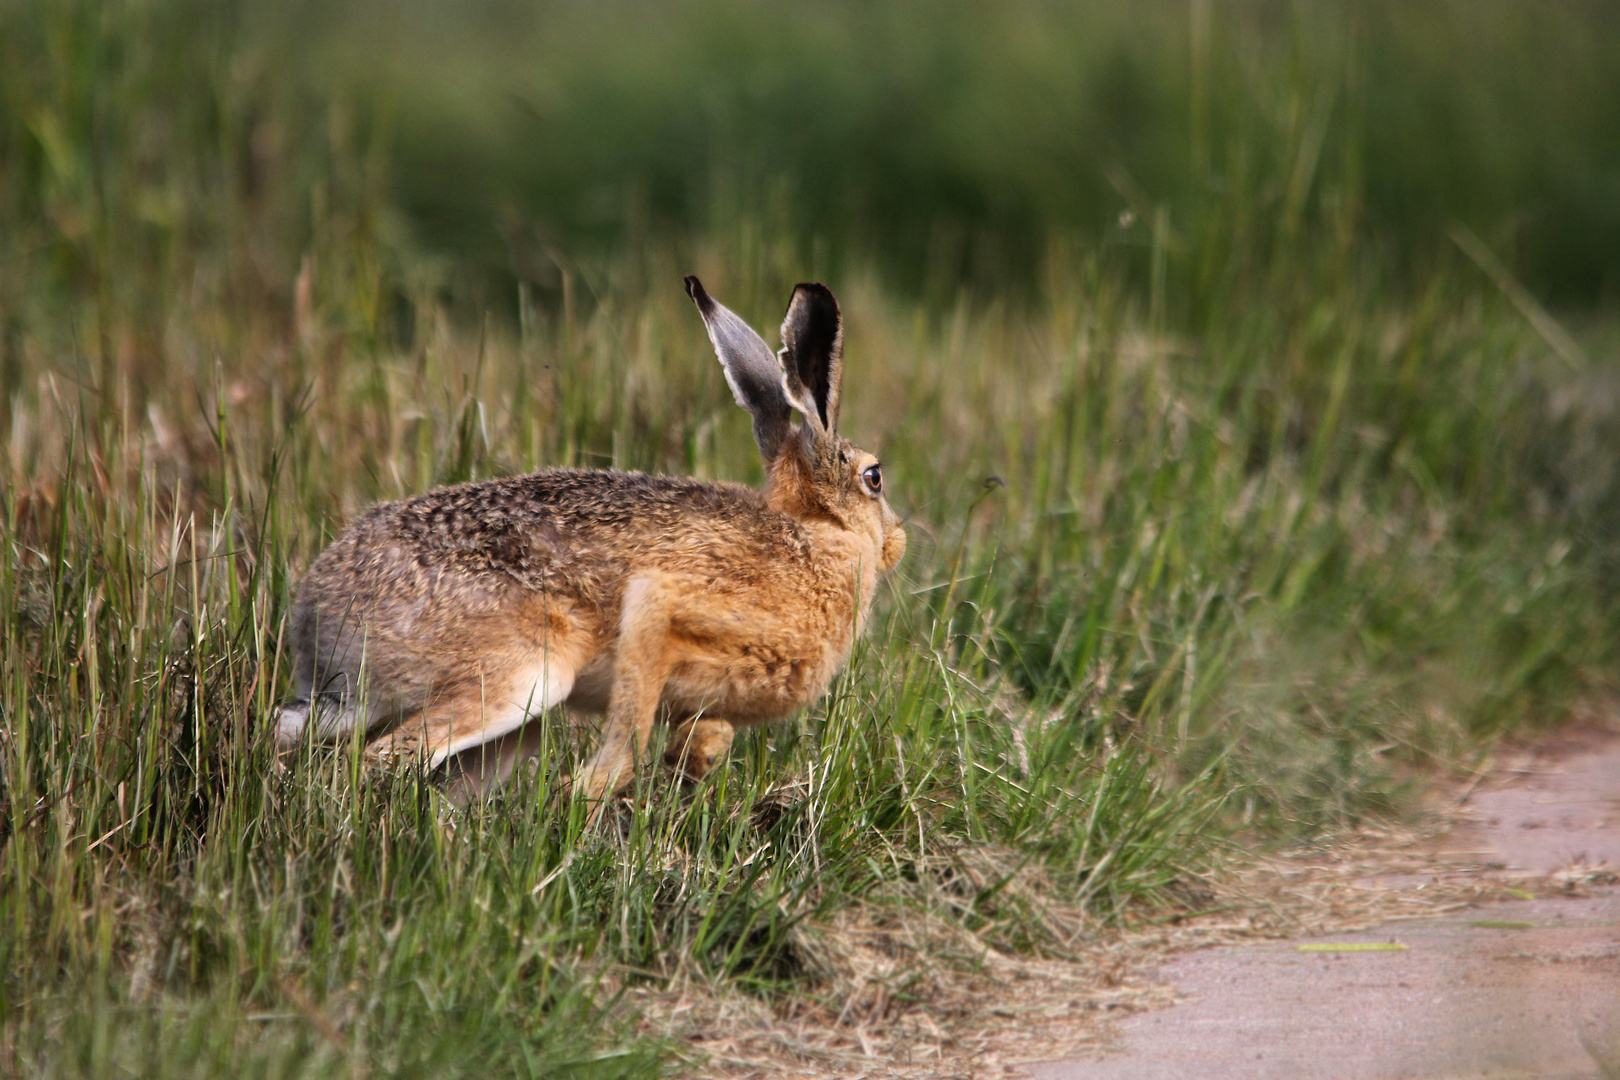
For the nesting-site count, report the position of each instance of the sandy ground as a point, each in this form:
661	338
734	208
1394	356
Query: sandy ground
1523	986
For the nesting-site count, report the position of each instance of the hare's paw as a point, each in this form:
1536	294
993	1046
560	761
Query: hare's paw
696	745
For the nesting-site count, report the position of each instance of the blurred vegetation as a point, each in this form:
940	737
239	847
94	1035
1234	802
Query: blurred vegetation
1247	372
949	149
952	145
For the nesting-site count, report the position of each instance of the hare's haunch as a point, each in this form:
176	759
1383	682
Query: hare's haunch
443	624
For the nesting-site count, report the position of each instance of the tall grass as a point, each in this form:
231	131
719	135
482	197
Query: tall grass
1232	513
1206	583
155	853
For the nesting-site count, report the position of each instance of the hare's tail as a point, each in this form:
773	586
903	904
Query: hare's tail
328	714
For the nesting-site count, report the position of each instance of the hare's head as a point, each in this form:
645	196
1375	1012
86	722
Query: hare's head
814	472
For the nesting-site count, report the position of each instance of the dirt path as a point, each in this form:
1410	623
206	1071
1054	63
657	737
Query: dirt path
1523	988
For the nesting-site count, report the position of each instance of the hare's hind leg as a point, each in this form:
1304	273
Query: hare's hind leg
479	713
477	772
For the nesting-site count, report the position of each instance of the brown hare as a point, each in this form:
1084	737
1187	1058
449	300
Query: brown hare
442	625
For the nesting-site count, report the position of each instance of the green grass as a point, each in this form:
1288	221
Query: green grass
1242	518
155	855
1216	581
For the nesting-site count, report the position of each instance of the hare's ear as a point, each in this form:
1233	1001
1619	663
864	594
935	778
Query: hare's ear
753	373
813	356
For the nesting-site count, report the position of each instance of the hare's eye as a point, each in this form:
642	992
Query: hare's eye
872	477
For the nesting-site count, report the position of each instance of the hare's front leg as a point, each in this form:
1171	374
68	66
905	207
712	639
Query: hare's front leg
641	665
695	745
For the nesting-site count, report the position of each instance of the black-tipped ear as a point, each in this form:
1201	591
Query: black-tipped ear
753	373
813	354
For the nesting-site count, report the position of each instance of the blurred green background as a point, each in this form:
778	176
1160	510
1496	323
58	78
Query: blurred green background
952	144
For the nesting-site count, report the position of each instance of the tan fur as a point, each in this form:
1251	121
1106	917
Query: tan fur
445	623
